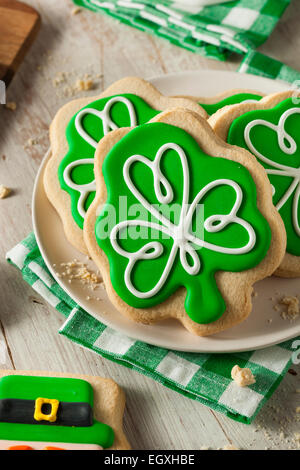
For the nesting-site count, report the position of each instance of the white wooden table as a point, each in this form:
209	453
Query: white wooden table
156	418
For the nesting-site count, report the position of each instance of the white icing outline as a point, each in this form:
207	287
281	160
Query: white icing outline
183	239
279	169
250	101
83	189
108	125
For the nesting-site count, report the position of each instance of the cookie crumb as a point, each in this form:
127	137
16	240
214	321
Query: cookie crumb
80	85
293	310
11	105
76	270
75	11
59	79
242	376
30	143
230	447
84	85
297	437
4	191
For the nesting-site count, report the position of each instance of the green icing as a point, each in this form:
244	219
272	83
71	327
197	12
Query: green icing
31	387
233	99
62	389
204	302
266	143
81	149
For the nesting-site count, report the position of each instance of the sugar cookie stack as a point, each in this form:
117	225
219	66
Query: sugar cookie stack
183	203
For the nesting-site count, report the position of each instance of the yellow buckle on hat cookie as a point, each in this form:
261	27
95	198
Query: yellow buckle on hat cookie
40	416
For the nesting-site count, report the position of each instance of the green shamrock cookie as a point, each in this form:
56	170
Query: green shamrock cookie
212	108
174	216
272	135
85	130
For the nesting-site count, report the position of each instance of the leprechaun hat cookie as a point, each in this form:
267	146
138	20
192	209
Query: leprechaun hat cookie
269	129
229	97
182	224
74	134
39	411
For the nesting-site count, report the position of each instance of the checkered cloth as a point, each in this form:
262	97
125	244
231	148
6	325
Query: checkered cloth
260	64
213	31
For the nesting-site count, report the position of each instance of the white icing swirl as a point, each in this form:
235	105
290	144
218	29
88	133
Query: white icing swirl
288	146
108	125
183	240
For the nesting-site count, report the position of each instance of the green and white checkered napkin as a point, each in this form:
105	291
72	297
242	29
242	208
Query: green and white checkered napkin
213	31
202	377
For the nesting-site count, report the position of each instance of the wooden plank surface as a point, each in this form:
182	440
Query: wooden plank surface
68	47
19	25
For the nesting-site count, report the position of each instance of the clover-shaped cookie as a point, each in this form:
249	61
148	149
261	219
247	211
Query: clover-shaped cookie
270	131
213	103
75	133
180	224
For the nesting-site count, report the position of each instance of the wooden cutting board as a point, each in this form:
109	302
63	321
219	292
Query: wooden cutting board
19	25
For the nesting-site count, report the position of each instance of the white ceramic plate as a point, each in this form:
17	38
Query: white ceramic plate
264	327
